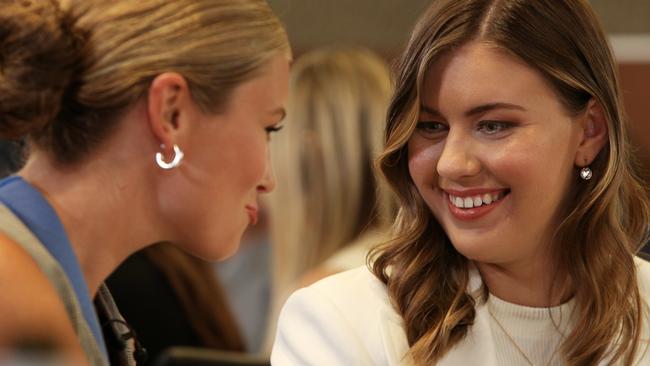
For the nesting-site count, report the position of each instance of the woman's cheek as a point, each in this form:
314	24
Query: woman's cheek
422	163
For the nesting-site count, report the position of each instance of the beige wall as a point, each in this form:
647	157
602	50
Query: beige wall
624	16
385	24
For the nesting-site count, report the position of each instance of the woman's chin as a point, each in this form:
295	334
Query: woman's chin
215	252
474	250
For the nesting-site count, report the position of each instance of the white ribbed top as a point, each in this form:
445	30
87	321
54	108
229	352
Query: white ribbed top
537	331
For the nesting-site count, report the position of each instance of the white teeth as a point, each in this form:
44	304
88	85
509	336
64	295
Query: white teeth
487	198
469	202
475	201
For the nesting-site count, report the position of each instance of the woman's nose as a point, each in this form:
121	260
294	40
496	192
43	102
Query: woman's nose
267	184
458	159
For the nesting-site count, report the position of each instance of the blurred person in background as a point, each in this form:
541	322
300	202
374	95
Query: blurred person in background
328	209
250	265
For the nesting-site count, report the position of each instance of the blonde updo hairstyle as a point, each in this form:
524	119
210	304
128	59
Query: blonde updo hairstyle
69	68
608	216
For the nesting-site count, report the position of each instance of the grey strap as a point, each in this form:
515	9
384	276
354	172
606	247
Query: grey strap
16	230
105	303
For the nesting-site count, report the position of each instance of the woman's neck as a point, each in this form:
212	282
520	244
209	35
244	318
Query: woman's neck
535	284
102	208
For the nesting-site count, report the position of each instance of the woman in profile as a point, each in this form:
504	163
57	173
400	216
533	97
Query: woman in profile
147	121
520	212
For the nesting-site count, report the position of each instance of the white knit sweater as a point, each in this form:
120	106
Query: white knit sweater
349	319
538	332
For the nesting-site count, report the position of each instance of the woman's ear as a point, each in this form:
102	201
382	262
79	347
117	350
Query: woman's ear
167	99
594	133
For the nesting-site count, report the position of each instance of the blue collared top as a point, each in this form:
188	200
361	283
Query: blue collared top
29	205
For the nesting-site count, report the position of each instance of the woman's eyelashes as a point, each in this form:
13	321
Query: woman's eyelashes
489	128
494	128
273	129
431	128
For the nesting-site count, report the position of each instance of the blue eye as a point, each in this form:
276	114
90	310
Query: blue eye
494	127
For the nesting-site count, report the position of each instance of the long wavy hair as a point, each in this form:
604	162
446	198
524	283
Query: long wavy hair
607	221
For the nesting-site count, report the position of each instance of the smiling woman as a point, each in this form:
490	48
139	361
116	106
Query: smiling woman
147	121
508	139
520	211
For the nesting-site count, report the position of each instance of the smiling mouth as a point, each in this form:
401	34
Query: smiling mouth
478	200
252	215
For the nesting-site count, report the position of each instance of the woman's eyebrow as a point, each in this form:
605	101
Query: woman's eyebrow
476	110
492	106
429	110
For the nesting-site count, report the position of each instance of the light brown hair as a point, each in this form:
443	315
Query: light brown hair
327	195
70	67
427	278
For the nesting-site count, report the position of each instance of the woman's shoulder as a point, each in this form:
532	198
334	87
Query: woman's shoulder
357	292
347	318
350	280
355	289
21	317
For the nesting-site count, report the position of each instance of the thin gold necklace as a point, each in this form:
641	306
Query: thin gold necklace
503	329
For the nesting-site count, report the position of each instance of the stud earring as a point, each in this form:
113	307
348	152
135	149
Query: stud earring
176	161
586	173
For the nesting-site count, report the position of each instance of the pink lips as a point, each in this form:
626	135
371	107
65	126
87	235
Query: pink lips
252	214
468	214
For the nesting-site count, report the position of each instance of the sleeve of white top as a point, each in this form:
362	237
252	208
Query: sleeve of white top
312	330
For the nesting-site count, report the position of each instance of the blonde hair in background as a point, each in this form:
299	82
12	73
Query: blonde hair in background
122	45
608	216
326	194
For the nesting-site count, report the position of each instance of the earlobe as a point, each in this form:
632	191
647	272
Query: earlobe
165	101
594	133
